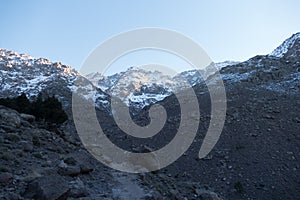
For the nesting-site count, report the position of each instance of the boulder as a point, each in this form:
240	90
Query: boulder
68	170
26	117
51	187
82	159
78	189
26	146
10	117
6	178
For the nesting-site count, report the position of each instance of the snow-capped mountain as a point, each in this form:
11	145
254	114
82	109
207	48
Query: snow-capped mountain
278	71
288	46
107	82
139	87
198	76
21	73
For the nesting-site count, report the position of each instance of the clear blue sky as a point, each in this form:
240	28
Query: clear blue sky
67	30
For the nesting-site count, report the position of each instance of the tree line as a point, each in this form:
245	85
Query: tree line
48	109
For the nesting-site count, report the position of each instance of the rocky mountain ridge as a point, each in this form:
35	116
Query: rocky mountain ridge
138	87
21	73
288	47
256	157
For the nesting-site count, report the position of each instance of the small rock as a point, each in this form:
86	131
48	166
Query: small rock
68	170
70	161
12	137
32	176
254	134
154	195
26	146
81	159
297	120
269	116
174	194
78	189
6	178
85	169
207	195
29	118
208	157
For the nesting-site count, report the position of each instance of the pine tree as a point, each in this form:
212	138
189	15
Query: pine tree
22	104
49	109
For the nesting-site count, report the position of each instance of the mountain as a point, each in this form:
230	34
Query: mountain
278	71
139	92
260	143
289	47
256	157
21	73
138	87
195	76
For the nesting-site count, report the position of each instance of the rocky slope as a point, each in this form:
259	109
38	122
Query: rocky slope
47	164
258	154
42	162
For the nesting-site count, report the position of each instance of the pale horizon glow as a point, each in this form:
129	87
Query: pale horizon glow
68	31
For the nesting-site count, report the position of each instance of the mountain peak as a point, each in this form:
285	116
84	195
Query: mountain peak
287	45
11	58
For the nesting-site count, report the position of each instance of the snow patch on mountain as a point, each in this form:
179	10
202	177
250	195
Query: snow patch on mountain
137	87
285	46
140	87
197	76
226	63
21	73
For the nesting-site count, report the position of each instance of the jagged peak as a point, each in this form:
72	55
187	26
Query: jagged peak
285	46
10	58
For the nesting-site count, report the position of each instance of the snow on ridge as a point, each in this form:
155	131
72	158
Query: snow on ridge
22	73
11	58
284	47
226	63
128	85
